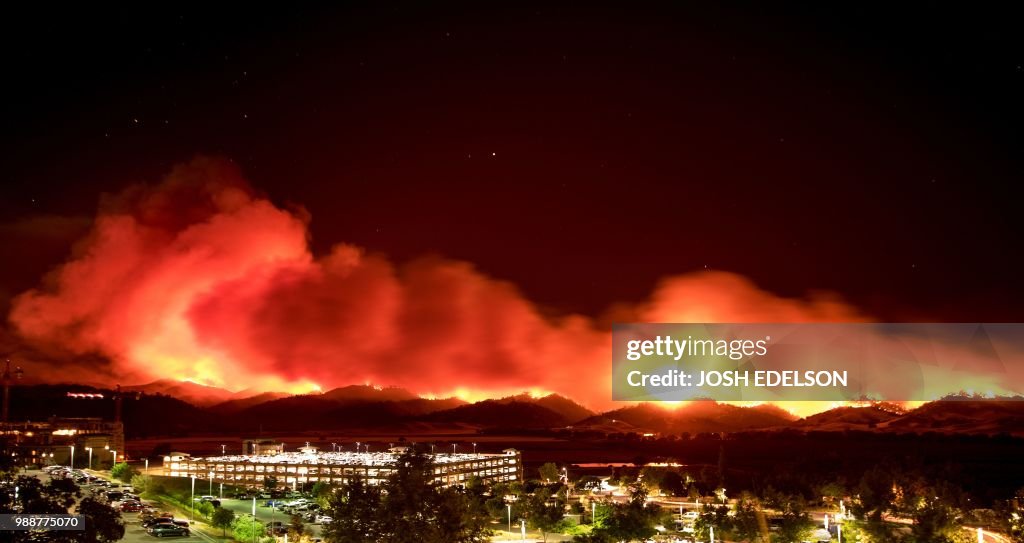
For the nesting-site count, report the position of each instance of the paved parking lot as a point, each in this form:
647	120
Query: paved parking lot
134	532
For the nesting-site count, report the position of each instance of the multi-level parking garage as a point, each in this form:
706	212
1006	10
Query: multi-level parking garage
309	466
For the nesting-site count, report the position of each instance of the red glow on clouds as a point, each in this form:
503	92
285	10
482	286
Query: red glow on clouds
201	278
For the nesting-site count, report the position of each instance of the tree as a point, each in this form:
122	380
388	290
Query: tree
122	472
1014	513
629	521
748	520
140	483
714	516
270	482
673	484
205	509
632	520
296	528
544	512
33	496
795	523
652	478
246	529
935	511
460	517
875	498
102	522
222	518
354	513
549	473
321	492
407	508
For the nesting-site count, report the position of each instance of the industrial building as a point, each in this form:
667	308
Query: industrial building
56	441
309	465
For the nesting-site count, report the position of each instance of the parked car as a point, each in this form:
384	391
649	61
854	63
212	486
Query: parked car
277	504
168	529
322	519
277	528
146	523
131	507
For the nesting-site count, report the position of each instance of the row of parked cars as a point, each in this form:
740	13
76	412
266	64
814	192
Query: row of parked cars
306	508
123	498
163	524
66	472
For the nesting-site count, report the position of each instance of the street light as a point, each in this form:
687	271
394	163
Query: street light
18	373
453	447
147	466
334	447
223	450
192	504
509	520
90	456
72	456
474	448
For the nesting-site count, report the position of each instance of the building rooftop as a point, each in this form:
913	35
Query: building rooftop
341	458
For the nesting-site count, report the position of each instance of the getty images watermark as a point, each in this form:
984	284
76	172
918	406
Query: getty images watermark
816	361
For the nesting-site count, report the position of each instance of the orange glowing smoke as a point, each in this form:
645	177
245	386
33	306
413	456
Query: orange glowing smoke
200	278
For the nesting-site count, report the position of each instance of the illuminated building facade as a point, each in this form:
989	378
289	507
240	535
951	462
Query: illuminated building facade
49	442
310	466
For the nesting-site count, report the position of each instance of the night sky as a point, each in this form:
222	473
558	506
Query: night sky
581	154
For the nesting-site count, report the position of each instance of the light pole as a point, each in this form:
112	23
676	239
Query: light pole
839	532
192	504
90	456
211	483
223	450
522	524
474	448
509	520
17	374
72	456
712	532
147	466
454	445
593	512
334	447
